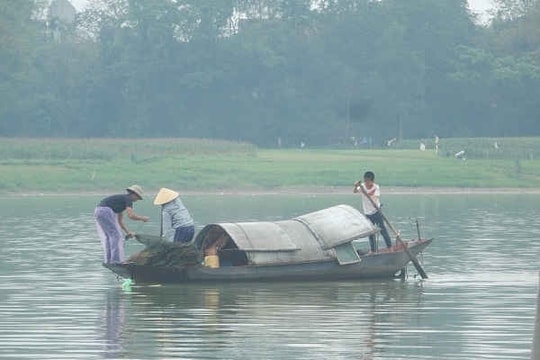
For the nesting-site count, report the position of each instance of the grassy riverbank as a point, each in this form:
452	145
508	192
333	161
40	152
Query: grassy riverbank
62	165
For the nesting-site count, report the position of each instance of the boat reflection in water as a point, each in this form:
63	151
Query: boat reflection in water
312	320
114	317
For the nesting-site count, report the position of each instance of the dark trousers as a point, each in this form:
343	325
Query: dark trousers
184	233
378	220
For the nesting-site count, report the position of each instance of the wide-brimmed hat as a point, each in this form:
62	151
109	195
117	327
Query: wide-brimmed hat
137	190
164	196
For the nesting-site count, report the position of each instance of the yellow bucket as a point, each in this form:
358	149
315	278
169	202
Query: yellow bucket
211	261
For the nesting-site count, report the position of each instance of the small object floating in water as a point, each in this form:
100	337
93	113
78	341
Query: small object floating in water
127	284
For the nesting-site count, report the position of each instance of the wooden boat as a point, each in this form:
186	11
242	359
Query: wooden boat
328	244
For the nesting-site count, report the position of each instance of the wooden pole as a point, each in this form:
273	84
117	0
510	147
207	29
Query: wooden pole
161	224
411	256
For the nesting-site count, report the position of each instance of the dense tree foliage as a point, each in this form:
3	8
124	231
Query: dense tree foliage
270	71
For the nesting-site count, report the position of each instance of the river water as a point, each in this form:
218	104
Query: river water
58	302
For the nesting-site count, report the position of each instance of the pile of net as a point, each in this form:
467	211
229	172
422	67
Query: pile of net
162	253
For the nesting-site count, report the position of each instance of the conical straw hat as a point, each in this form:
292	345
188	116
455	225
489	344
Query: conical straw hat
164	196
137	190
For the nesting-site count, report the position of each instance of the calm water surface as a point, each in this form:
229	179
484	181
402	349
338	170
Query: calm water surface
57	302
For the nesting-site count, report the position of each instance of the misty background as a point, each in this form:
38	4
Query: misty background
270	72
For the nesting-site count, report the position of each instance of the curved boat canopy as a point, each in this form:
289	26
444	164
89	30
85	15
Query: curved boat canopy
320	235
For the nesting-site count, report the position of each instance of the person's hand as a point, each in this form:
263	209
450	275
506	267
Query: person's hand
145	218
130	235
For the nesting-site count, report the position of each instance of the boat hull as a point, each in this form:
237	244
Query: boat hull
380	265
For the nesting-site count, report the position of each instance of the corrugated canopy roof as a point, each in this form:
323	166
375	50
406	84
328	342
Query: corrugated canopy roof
338	225
259	236
322	229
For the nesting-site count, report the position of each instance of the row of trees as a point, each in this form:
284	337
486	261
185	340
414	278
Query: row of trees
318	72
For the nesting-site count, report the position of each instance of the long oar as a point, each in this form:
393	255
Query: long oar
413	259
161	224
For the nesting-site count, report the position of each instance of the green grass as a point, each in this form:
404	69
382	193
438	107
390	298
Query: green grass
59	165
482	148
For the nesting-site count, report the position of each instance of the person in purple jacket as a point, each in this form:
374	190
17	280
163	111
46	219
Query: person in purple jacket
110	222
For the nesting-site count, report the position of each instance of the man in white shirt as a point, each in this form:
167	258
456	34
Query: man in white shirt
372	212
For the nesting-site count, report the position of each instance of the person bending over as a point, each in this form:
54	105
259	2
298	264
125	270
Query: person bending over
110	222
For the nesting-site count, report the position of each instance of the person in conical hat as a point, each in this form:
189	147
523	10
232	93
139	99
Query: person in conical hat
110	222
178	223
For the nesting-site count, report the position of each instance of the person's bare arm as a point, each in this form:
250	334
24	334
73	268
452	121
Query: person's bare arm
371	193
123	225
136	217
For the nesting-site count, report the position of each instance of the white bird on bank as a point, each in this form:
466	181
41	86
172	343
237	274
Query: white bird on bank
460	155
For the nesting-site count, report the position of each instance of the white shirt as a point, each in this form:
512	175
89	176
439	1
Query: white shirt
368	207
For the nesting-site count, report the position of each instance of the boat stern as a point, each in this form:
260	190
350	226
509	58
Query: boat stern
417	246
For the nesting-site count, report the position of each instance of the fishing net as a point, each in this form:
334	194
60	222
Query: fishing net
162	253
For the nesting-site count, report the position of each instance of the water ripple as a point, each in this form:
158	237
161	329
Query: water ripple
57	302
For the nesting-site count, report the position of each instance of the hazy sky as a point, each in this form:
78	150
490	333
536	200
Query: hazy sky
476	5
